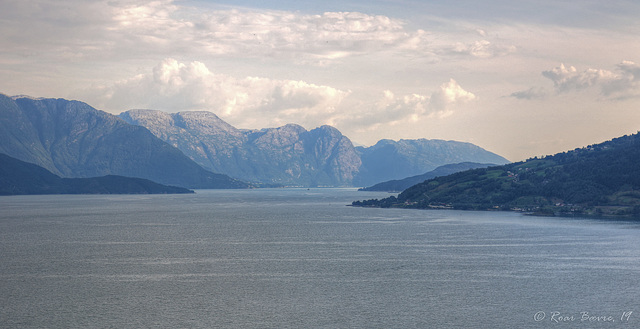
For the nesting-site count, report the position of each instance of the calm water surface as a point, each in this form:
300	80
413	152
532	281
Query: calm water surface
297	258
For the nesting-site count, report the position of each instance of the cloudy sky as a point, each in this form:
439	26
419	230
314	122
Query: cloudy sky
519	78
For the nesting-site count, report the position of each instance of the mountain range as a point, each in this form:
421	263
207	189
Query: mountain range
393	160
197	149
291	155
288	155
600	179
71	139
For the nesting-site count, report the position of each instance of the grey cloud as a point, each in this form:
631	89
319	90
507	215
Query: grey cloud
531	93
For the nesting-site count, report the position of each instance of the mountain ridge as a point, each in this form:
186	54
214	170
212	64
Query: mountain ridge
400	185
600	179
290	155
394	160
73	140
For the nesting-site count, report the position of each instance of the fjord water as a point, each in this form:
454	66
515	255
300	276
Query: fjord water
298	258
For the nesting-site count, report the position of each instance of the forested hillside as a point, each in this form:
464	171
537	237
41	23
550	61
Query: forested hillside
597	179
398	185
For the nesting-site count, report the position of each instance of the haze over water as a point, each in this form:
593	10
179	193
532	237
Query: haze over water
297	258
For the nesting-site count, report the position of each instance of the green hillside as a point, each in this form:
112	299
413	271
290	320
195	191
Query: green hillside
399	185
602	179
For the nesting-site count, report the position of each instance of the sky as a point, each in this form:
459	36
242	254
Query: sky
519	78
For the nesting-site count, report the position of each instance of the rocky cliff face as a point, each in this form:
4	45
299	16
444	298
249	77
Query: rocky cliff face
288	155
72	139
292	156
335	153
202	136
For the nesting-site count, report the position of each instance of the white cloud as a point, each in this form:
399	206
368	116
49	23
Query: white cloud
254	102
616	85
447	96
626	84
479	49
392	110
248	102
329	36
125	29
568	78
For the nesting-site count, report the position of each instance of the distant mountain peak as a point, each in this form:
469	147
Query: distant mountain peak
73	140
26	96
285	155
393	160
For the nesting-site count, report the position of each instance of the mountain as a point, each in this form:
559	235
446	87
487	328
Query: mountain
72	139
289	155
19	177
402	184
391	160
602	179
